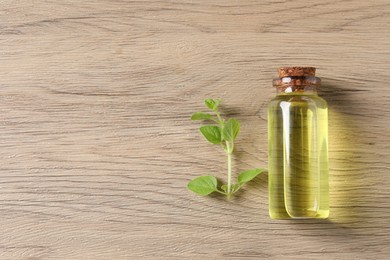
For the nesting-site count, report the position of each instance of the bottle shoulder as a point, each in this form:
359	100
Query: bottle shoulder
313	100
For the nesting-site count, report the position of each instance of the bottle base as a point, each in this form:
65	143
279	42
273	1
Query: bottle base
323	214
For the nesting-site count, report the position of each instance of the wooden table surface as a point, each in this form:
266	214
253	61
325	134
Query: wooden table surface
97	146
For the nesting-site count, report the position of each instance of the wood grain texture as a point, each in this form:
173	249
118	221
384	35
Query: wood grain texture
97	146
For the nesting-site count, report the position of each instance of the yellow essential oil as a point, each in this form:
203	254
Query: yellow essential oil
298	147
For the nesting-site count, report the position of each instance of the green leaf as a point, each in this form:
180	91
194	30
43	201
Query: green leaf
201	116
209	103
248	175
212	104
235	187
212	133
203	185
231	130
217	102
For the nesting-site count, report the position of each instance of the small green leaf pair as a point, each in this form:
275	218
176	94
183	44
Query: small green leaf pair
224	133
214	134
205	185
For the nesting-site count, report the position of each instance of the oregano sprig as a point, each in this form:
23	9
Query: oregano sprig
224	133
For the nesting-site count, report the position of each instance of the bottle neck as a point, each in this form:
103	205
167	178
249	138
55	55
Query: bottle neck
296	90
297	85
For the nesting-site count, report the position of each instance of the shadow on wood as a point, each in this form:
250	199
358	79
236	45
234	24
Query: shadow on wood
347	148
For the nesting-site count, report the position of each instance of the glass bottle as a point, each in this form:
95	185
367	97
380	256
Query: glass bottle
298	147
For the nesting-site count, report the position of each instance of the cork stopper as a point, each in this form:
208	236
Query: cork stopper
296	72
296	79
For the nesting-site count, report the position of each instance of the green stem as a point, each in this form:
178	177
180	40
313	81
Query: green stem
229	151
229	185
238	187
223	193
219	118
215	120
